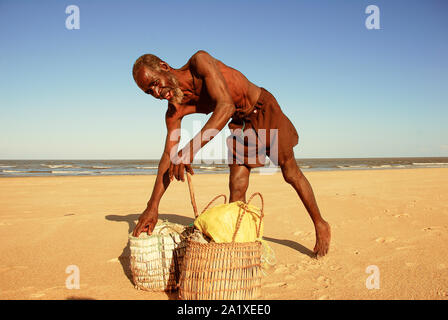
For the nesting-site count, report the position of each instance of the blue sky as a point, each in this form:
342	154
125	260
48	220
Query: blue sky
350	92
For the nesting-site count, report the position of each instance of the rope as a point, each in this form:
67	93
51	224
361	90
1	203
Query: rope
245	207
221	195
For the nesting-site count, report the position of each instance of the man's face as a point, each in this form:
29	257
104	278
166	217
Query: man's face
161	85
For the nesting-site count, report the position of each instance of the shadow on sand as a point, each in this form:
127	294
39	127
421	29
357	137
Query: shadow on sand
293	245
79	298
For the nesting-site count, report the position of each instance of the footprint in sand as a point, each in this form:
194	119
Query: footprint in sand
335	268
401	215
404	248
302	233
290	278
281	269
434	228
324	281
276	285
410	264
385	240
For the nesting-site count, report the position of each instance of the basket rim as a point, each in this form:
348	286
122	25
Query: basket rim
131	237
229	244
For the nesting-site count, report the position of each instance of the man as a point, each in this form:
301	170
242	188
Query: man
206	85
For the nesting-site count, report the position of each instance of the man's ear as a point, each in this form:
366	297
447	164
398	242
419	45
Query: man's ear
164	66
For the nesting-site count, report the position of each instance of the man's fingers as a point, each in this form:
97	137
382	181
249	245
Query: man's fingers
170	171
181	172
189	169
137	230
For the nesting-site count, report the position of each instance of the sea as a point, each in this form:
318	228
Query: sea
47	168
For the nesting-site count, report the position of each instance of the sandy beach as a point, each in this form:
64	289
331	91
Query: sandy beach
396	220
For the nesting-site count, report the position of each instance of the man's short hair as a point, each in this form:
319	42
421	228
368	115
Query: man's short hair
149	60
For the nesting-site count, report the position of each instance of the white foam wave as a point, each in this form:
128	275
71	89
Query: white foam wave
70	172
57	166
120	172
147	167
430	163
8	166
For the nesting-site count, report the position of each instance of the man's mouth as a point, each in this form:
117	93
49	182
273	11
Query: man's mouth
166	94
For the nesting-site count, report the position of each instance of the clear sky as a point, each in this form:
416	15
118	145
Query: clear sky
350	91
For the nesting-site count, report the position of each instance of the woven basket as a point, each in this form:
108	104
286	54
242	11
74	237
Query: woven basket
224	271
156	259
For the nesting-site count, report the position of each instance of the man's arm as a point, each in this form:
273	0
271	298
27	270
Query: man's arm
206	67
148	218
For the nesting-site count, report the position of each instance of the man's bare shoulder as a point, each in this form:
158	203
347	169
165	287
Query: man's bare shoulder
202	62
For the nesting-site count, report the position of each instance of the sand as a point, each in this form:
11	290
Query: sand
396	220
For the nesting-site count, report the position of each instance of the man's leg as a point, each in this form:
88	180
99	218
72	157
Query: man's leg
238	182
294	176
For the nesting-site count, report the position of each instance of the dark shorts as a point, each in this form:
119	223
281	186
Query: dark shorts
266	131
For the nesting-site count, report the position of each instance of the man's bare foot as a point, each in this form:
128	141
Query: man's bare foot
323	236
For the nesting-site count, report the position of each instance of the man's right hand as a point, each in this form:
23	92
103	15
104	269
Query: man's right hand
146	222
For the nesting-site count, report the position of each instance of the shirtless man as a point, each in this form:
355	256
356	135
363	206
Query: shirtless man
206	85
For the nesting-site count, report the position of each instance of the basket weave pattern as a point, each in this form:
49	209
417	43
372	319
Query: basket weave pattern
229	271
156	261
221	271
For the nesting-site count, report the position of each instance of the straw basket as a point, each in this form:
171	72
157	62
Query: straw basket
156	259
224	271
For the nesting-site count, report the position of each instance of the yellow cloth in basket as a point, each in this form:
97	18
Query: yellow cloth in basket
220	222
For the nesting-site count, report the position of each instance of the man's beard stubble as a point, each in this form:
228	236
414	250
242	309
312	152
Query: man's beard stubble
178	95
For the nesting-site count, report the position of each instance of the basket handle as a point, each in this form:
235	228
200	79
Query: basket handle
245	208
193	200
218	196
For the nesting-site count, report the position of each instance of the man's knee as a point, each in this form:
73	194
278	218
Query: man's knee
290	170
238	184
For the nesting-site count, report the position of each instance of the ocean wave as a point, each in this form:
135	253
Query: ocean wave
12	171
430	163
100	167
147	167
353	166
381	166
121	172
70	172
7	166
57	166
